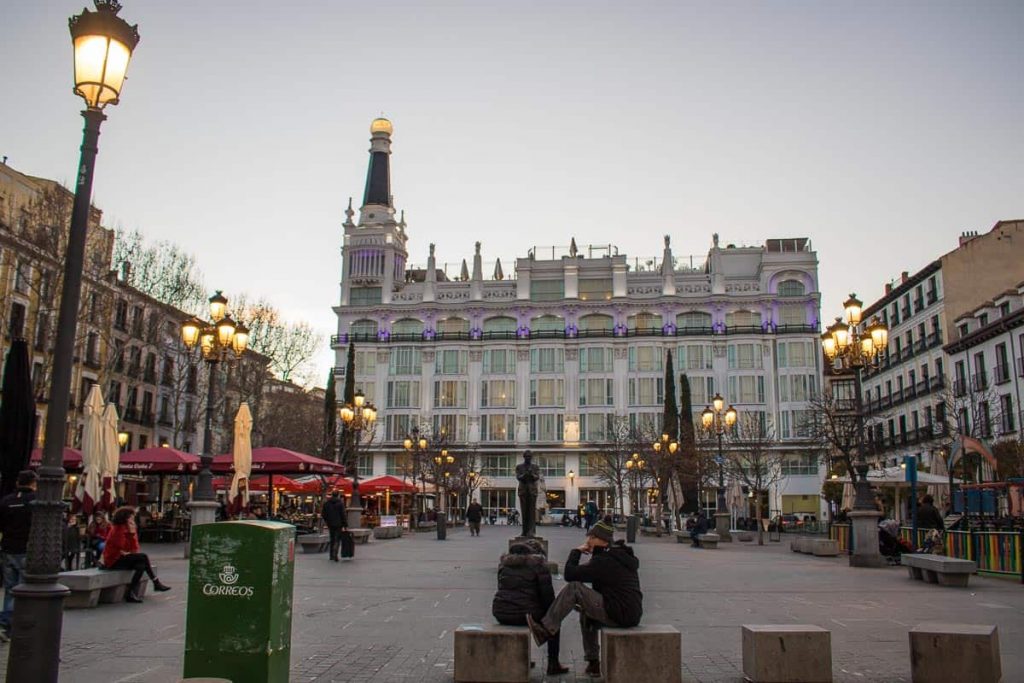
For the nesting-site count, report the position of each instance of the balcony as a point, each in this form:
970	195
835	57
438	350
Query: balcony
149	377
931	297
131	414
918	305
92	361
165	420
134	371
148	419
1002	374
960	387
1006	425
979	381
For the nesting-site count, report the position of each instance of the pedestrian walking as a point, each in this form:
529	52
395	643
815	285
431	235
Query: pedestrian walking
334	516
122	552
474	515
15	524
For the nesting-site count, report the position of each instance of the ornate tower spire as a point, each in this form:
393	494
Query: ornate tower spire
377	202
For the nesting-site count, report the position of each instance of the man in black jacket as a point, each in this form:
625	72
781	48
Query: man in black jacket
15	523
334	517
614	600
474	513
928	516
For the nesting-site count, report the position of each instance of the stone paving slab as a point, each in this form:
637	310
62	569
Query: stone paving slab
389	615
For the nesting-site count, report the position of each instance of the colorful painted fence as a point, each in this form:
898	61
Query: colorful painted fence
841	534
906	532
997	552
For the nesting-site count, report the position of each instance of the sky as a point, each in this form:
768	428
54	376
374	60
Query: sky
880	130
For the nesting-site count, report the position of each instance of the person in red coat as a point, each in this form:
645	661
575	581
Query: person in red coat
122	552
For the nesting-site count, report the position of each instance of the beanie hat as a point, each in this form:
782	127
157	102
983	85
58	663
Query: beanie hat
602	530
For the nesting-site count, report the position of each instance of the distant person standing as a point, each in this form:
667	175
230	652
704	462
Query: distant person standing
928	516
333	514
590	514
474	515
15	524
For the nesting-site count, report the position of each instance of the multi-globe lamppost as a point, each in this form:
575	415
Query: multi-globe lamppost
849	347
357	417
103	45
416	446
717	419
219	340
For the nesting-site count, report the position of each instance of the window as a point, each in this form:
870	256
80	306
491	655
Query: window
547	360
595	288
451	362
399	426
498	393
645	359
409	327
694	321
694	357
551	465
1004	309
645	422
595	426
1006	413
451	426
405	360
547	290
746	388
500	327
646	391
792	315
799	464
796	424
364	296
454	327
497	465
797	387
22	277
547	323
16	321
596	323
498	501
744	356
702	389
596	359
499	361
113	392
590	465
497	427
791	288
546	427
743	319
547	392
43	331
366	363
364	464
403	394
363	330
644	322
983	320
450	394
796	355
596	392
399	465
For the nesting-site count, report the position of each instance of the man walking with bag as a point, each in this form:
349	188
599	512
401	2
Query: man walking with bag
334	517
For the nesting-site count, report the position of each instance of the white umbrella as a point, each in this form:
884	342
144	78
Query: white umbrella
111	462
940	492
241	454
87	495
736	498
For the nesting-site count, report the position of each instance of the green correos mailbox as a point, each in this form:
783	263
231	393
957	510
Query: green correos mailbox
239	619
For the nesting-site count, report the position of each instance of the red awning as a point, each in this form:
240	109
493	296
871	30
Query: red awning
386	483
159	460
72	458
339	483
261	483
279	461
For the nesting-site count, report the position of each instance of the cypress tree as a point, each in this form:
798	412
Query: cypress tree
330	443
349	397
670	419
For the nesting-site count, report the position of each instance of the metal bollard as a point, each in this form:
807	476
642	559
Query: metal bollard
632	525
442	526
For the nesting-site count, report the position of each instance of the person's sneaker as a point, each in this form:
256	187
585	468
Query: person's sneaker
160	587
593	667
540	634
556	669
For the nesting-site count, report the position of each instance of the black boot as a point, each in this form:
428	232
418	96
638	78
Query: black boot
130	596
159	586
593	667
555	668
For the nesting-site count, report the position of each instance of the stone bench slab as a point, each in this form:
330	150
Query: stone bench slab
941	652
492	653
642	653
945	571
387	532
314	543
742	535
709	541
90	587
787	653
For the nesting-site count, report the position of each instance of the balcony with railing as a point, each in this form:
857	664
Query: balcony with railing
1006	424
960	387
979	381
1001	373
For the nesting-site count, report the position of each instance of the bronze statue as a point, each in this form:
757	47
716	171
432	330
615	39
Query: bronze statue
528	474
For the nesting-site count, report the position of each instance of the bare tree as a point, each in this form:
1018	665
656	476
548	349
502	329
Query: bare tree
752	459
293	420
609	461
161	270
290	346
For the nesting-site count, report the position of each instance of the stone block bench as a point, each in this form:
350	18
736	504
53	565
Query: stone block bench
361	535
942	652
945	571
90	587
491	653
683	537
642	653
387	532
787	653
314	543
426	526
709	541
821	547
742	535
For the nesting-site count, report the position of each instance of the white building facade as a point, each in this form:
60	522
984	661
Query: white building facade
546	357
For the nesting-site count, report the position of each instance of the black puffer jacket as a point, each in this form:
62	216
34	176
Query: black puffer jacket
524	587
613	572
334	512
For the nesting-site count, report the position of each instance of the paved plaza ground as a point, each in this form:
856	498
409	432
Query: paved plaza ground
389	615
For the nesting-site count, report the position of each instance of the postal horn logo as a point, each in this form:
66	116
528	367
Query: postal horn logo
228	575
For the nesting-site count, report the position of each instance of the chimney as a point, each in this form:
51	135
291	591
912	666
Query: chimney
903	276
126	272
967	235
888	288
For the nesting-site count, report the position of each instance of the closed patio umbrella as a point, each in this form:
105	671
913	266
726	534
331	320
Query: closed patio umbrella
111	456
88	492
848	497
17	416
940	492
241	454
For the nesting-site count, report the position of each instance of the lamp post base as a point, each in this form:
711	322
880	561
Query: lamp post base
865	539
354	517
202	512
723	520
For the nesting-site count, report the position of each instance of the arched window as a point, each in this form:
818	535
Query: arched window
596	322
500	325
743	319
547	323
791	288
693	320
407	326
363	330
453	327
644	322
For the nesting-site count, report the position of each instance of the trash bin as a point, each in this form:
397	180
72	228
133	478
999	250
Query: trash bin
238	623
632	525
442	526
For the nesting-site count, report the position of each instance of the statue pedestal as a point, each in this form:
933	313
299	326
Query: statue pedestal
520	539
865	539
723	520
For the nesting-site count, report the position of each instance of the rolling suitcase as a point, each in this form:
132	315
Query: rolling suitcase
348	545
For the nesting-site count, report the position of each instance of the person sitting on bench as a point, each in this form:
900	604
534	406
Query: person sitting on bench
122	552
614	600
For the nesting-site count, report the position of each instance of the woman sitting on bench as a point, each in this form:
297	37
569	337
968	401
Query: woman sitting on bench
122	552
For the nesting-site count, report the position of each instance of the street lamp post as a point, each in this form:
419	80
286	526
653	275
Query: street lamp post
219	340
848	347
416	446
103	45
669	445
357	416
716	418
